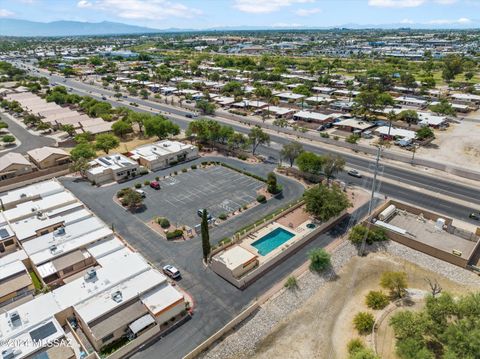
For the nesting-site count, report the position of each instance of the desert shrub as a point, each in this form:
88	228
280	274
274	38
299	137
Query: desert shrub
261	198
146	183
291	283
122	192
376	299
163	222
363	322
138	185
222	216
319	259
193	167
184	170
174	234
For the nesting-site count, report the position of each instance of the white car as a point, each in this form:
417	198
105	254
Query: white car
141	193
355	173
171	271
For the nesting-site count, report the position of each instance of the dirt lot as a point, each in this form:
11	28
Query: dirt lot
459	145
322	327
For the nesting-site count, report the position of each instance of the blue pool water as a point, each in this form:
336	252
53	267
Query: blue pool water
272	240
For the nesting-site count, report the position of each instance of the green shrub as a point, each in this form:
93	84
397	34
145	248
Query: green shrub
336	138
225	240
146	183
143	171
291	283
242	157
261	198
376	299
222	216
174	234
157	178
193	167
138	185
184	170
175	173
355	345
163	222
353	138
361	232
319	259
204	163
363	322
245	206
122	192
325	135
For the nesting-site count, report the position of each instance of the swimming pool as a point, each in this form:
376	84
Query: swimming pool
272	240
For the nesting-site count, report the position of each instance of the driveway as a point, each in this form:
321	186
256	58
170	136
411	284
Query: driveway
28	140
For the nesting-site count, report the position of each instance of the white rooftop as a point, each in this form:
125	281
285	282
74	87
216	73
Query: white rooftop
160	149
234	257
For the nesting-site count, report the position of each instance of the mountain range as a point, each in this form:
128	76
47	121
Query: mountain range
26	28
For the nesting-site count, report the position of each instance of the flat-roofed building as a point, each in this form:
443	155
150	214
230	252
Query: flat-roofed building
15	282
13	164
352	125
315	117
115	167
46	157
163	154
234	262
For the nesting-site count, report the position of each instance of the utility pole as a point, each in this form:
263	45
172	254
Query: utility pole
413	153
372	196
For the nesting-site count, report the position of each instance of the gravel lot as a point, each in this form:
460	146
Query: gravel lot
255	337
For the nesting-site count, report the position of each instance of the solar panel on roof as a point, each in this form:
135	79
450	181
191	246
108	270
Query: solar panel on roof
103	160
4	233
43	332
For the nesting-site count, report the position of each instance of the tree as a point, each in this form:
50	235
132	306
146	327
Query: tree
206	107
82	150
291	151
452	66
369	101
138	118
376	300
395	282
309	162
84	137
272	186
70	129
435	287
360	232
258	137
332	165
363	322
425	132
443	108
325	202
144	93
3	125
80	165
237	141
409	116
121	128
319	259
132	199
161	127
205	236
106	142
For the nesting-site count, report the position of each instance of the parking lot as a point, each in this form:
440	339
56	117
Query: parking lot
218	189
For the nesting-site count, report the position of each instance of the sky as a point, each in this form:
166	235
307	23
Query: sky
204	14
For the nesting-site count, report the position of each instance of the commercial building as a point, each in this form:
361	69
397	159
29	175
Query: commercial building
163	154
115	167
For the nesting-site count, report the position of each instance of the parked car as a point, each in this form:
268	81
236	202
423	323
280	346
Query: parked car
104	98
189	115
355	173
141	193
171	271
475	216
155	184
200	213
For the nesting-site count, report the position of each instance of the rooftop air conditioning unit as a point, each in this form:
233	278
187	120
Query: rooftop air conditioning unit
117	296
15	319
91	274
53	248
60	231
23	195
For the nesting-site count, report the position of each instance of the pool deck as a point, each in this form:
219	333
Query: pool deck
299	232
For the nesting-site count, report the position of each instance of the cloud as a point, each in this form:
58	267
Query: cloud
407	3
287	25
396	3
461	21
407	21
307	12
84	4
6	13
265	6
142	9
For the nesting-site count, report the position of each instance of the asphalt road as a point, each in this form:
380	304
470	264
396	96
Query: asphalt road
413	177
28	141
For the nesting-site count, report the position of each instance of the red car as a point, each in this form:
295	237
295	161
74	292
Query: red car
155	184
